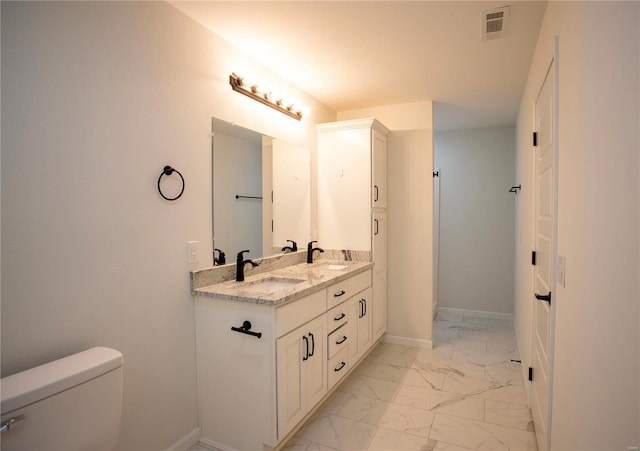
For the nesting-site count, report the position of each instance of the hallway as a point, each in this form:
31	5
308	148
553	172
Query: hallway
466	393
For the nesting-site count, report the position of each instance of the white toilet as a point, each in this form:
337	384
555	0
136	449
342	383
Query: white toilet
74	403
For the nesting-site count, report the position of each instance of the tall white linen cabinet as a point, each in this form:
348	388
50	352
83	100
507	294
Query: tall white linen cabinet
352	200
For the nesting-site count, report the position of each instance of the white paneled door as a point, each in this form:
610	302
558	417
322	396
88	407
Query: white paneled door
544	277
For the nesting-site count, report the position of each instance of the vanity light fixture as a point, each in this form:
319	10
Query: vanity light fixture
238	84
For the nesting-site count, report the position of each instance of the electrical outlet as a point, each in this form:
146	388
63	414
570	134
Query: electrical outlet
192	252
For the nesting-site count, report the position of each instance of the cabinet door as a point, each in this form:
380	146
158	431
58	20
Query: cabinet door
379	308
315	368
291	355
379	168
379	244
364	321
354	305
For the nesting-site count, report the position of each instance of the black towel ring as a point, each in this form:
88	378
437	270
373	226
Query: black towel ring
168	170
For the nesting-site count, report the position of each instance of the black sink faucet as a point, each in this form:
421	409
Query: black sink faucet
310	250
240	262
220	260
292	248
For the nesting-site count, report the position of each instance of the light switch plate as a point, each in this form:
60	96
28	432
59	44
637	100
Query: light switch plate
192	252
562	269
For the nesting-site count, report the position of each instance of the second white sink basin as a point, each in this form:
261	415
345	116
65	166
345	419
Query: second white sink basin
332	267
271	285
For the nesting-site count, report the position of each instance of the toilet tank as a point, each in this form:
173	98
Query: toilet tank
70	404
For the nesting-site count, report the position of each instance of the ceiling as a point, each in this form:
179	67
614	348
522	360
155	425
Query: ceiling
360	54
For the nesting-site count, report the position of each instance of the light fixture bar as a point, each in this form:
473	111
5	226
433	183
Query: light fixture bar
237	84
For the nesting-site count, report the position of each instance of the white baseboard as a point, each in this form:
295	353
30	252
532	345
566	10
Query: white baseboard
406	341
475	313
214	446
186	442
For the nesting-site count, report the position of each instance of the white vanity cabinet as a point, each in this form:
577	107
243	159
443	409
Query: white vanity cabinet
360	325
352	200
253	391
301	373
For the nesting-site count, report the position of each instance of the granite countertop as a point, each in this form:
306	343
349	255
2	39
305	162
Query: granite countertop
311	277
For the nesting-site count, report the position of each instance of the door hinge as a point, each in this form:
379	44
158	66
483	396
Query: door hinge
533	258
535	139
436	174
530	373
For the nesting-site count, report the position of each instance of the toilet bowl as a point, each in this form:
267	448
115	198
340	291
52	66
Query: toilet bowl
73	403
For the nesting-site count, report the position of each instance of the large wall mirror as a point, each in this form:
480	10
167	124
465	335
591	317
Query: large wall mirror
261	193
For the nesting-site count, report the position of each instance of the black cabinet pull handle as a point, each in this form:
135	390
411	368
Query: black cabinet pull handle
364	301
375	197
375	221
544	297
306	340
244	329
313	345
341	341
360	315
338	318
337	295
342	365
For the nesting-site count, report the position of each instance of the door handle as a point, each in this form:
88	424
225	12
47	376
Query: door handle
376	223
375	188
544	297
360	314
306	340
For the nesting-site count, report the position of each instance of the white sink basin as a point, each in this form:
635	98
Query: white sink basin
334	267
271	285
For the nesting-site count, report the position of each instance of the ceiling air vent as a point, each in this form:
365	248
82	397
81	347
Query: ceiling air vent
494	23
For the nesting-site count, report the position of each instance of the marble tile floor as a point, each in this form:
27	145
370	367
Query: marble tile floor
464	394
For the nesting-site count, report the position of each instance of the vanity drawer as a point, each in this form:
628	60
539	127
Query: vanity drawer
341	291
337	293
338	367
337	316
338	340
298	312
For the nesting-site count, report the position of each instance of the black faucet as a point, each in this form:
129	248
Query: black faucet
292	248
310	250
221	260
240	265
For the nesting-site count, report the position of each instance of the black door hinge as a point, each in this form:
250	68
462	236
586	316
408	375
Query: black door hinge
535	139
530	373
533	258
436	174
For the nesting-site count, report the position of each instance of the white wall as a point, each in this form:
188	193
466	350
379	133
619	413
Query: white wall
96	98
476	218
595	380
410	216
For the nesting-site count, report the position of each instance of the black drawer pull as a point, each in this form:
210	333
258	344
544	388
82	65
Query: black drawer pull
306	340
244	329
341	341
375	197
337	295
338	318
342	365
